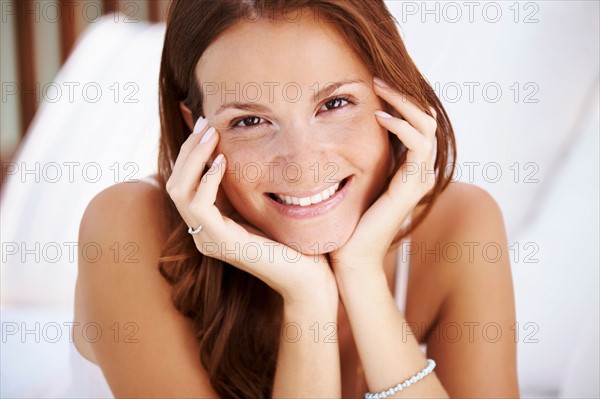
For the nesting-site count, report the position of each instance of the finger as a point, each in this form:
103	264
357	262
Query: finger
433	113
189	175
411	138
205	198
189	144
424	123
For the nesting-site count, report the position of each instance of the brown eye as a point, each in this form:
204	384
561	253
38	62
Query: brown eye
335	103
249	121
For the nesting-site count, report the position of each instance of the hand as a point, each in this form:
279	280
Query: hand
380	224
298	278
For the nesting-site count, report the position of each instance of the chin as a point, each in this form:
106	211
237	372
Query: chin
317	239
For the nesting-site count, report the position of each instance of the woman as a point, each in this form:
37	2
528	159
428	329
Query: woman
300	148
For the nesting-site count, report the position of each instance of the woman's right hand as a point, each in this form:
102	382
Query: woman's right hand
298	278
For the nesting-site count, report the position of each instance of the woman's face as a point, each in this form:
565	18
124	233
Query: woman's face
286	138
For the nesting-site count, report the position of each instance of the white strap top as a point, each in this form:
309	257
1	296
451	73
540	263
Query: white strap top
401	276
402	270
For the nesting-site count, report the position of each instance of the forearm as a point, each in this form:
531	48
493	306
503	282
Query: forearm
388	352
308	364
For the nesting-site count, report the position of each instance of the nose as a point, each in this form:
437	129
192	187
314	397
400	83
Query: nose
300	147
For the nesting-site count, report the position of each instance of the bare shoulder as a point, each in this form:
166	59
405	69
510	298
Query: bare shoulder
472	269
465	230
139	204
459	211
144	346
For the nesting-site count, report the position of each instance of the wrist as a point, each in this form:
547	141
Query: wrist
365	274
358	281
309	317
320	292
322	305
356	264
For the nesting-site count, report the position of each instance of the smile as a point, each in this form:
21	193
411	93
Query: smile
303	204
306	201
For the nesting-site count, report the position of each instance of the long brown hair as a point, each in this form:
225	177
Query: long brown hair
218	297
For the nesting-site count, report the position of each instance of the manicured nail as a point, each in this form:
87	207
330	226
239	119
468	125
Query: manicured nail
208	135
199	125
382	114
217	160
381	83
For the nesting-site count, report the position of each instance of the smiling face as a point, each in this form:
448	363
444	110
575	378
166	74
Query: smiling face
303	162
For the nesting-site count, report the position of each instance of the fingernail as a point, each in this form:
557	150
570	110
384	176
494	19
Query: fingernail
381	83
217	160
382	114
207	135
199	125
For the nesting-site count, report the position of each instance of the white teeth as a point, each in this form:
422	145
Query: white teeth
306	201
315	199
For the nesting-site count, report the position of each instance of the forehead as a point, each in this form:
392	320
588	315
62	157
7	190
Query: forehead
304	51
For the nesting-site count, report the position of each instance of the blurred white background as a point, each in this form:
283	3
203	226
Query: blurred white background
520	81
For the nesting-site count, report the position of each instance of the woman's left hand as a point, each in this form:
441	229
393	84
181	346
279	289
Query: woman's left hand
379	225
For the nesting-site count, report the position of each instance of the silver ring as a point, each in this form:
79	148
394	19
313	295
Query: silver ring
196	231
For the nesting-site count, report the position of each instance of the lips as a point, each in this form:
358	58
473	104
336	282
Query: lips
310	205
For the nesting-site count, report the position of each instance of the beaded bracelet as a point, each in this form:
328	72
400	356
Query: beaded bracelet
403	385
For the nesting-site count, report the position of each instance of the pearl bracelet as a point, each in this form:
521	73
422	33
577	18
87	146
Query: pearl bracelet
403	385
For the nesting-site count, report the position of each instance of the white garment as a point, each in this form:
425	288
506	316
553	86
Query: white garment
402	269
401	277
87	379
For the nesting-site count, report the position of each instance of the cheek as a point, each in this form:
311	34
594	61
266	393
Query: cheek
366	141
242	195
244	161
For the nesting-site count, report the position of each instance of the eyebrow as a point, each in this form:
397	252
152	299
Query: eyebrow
328	89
